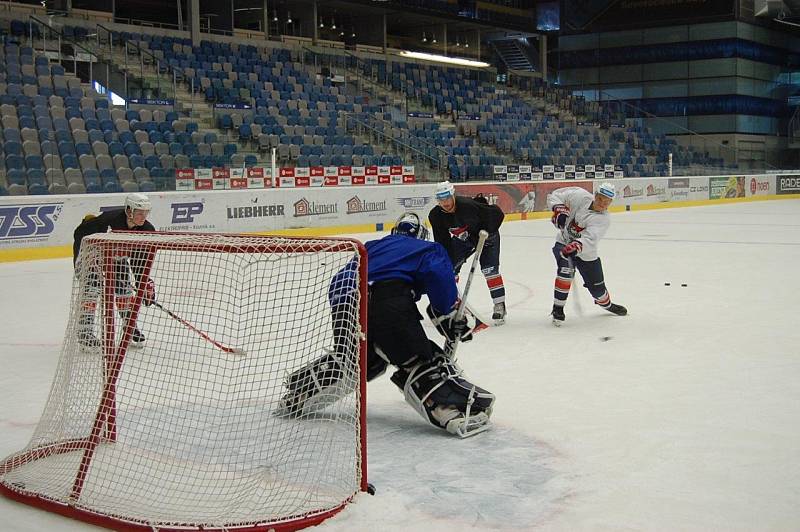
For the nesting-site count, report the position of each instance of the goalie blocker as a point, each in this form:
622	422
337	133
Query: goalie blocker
402	267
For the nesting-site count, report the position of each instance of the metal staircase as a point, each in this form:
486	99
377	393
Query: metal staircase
513	55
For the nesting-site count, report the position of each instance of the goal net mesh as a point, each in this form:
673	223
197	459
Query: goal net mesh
185	429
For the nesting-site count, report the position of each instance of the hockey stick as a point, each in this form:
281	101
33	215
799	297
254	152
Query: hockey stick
571	264
224	348
575	297
481	322
450	349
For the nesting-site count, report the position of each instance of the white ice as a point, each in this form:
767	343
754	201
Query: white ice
684	415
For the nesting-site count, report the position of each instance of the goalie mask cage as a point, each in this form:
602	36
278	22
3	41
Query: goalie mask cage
183	434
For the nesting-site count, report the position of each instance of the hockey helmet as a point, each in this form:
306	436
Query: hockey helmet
410	225
138	202
444	190
607	190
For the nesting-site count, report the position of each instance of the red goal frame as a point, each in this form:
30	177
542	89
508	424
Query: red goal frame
104	429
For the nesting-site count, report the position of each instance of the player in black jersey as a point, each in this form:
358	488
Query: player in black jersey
456	222
132	217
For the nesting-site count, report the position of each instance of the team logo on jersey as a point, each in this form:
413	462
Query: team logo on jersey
460	233
574	230
34	222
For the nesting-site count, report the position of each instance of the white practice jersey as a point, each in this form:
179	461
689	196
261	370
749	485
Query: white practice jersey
583	224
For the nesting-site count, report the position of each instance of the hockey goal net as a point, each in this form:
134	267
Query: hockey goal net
182	432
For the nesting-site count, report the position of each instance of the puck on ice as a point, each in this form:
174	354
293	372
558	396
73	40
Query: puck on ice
605	338
684	284
666	284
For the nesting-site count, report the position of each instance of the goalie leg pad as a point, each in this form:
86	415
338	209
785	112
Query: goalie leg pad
440	394
315	386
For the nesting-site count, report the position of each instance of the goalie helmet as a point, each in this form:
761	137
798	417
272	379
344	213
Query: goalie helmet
409	224
137	201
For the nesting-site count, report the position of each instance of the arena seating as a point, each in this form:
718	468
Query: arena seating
59	136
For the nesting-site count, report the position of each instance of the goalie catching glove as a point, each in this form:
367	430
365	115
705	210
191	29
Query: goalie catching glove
448	326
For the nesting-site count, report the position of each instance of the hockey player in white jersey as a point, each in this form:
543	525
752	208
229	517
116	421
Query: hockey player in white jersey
582	219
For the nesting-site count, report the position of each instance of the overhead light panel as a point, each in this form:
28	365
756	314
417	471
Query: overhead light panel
444	59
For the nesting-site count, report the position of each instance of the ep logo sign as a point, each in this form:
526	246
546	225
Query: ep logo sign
184	213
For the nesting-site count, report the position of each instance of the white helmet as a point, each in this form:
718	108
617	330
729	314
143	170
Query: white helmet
607	190
137	201
444	190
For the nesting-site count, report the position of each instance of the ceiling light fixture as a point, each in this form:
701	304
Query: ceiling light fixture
444	59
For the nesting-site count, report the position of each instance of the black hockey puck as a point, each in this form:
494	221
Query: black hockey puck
666	284
684	284
605	338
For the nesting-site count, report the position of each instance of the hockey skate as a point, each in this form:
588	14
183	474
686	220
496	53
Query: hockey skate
137	339
86	337
558	315
87	340
619	310
499	313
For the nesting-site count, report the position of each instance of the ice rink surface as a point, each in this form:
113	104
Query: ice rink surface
683	415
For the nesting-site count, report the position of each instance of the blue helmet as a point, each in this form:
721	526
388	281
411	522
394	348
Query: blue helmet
410	225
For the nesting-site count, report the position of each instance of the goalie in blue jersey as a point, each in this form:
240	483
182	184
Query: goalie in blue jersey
401	268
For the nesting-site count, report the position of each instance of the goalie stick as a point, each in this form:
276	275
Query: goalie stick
481	322
204	336
450	348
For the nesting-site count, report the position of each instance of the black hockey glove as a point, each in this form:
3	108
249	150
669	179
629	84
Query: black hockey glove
560	215
449	327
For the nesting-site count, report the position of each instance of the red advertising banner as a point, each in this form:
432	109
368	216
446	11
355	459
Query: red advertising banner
520	197
259	177
203	184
